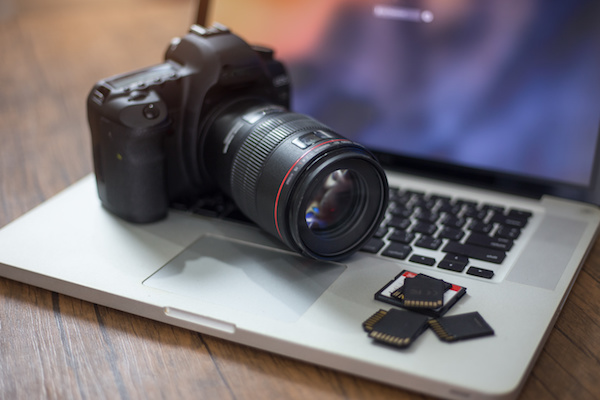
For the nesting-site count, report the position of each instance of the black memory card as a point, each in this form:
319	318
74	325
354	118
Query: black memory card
396	327
461	327
393	293
423	291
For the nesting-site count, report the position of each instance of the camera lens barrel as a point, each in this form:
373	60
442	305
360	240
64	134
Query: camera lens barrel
320	193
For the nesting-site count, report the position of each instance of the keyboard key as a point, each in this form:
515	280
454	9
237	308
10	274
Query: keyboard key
402	237
450	209
466	203
508	232
400	198
453	221
487	241
425	228
480	226
451	233
429	242
480	272
475	213
477	252
400	210
494	208
456	258
519	214
399	223
427	216
381	232
508	221
422	260
452	266
397	250
442	198
373	245
425	204
419	194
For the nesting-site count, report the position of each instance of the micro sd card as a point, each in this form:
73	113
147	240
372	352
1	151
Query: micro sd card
461	327
423	291
393	293
395	327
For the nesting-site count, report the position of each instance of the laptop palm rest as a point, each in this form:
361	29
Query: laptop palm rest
246	277
546	258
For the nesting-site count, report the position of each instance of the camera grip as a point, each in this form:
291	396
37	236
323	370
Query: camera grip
129	160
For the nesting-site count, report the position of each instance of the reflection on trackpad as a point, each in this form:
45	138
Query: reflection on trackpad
246	277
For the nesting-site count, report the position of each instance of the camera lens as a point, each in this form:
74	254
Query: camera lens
320	193
334	201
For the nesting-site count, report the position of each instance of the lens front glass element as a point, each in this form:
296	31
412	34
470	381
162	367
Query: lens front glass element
333	203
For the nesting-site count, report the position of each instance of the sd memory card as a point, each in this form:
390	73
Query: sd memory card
394	293
396	327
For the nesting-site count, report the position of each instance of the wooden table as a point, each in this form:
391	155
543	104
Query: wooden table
55	346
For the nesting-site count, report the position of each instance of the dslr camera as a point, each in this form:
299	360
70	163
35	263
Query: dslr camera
213	118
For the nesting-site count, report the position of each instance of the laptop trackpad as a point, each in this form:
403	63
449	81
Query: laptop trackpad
246	277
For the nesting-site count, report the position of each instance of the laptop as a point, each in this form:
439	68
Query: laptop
485	116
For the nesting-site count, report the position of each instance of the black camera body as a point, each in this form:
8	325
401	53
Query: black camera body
144	123
213	118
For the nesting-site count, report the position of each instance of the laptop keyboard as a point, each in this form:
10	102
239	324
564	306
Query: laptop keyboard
452	234
429	229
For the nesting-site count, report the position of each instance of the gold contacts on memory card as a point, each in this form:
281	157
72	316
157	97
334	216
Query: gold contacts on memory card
396	327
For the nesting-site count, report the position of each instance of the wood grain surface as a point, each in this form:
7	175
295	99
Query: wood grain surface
54	346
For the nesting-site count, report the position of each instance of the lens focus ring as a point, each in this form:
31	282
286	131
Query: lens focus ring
260	143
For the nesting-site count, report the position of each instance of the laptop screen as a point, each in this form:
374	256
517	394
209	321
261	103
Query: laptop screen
509	88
